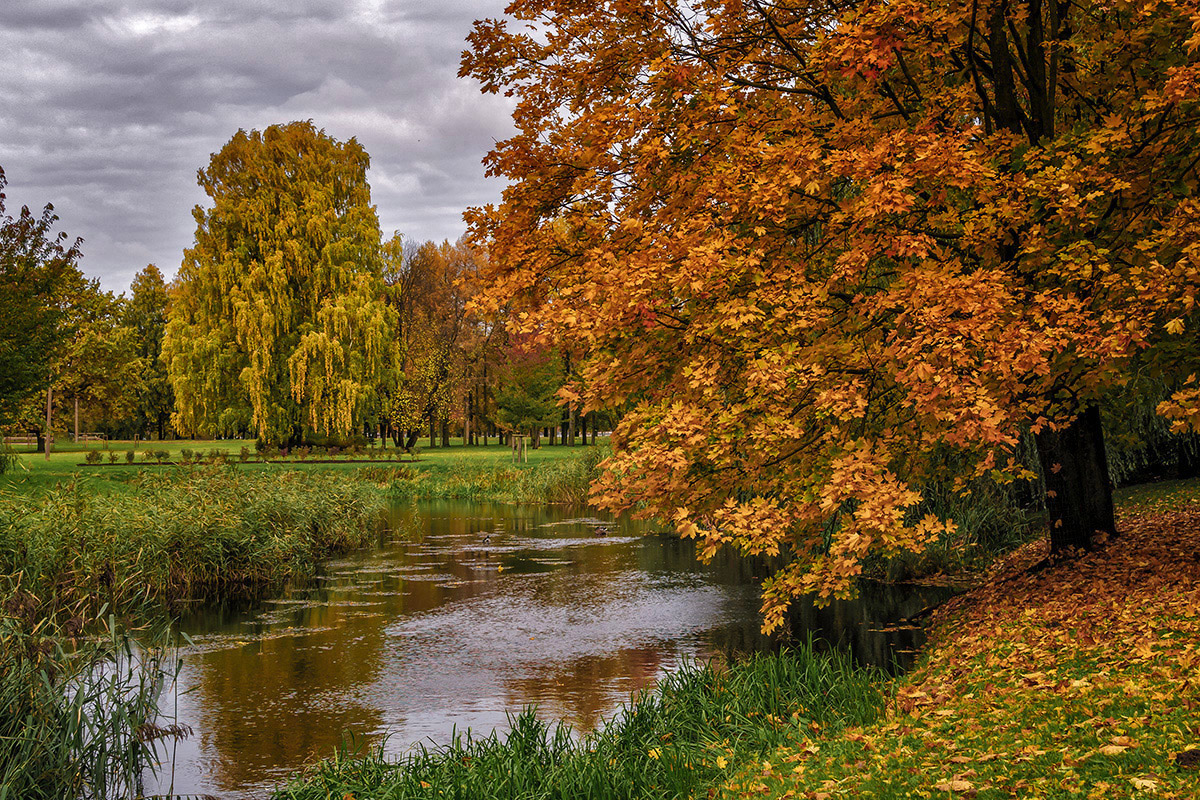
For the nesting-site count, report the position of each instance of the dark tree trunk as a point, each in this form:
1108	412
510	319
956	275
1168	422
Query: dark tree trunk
1078	492
445	433
411	440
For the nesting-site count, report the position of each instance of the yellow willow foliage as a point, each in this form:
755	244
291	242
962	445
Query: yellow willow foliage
829	253
277	320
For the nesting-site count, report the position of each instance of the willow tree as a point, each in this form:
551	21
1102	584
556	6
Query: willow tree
833	251
276	321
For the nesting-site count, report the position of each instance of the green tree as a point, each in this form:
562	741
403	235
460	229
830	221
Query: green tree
277	321
527	401
38	281
146	317
98	373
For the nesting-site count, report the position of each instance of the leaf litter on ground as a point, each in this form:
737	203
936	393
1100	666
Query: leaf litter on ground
1078	679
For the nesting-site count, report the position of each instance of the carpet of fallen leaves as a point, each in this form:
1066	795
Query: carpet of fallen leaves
1078	679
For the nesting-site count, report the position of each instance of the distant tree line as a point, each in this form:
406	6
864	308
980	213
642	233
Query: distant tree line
291	320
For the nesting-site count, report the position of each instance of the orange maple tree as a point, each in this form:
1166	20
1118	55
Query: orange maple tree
831	251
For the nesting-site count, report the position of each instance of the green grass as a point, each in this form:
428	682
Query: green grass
183	534
459	471
698	727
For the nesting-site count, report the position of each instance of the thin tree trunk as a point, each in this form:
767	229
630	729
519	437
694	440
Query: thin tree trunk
571	423
1078	492
49	413
76	419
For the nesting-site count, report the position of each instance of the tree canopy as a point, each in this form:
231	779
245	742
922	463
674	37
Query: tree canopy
832	252
277	321
39	281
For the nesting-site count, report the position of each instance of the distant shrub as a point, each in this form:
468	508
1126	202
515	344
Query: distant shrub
130	456
301	452
147	455
216	456
244	454
93	457
112	456
161	455
187	455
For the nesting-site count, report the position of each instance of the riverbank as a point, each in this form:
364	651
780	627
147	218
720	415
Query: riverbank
1076	680
202	534
691	732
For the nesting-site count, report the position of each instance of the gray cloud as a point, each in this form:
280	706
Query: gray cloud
108	109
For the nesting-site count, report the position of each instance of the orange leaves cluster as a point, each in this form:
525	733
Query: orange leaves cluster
798	245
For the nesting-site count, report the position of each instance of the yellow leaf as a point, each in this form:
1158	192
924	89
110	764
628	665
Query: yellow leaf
1144	784
956	785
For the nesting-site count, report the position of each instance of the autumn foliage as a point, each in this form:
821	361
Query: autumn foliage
830	253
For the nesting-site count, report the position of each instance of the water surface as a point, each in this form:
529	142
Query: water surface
464	614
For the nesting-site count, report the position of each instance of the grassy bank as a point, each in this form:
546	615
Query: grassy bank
559	475
181	535
697	727
1075	681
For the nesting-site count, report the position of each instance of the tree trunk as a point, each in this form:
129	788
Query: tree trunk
49	414
432	433
445	433
76	419
571	423
1078	492
411	441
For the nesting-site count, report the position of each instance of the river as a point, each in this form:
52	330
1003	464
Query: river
463	614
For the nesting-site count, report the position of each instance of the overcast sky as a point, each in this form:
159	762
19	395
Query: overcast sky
108	108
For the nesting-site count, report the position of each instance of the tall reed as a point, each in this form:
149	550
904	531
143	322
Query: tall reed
204	533
696	728
76	713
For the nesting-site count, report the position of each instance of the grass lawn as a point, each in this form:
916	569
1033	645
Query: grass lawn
35	474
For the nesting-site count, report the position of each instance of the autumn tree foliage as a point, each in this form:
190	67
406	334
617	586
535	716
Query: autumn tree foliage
427	286
277	321
831	252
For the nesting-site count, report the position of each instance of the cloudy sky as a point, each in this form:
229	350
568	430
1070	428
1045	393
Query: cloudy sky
108	108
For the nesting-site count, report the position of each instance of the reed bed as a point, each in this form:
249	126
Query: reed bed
77	715
698	727
201	533
563	481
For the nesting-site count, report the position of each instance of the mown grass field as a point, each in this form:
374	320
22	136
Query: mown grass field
34	473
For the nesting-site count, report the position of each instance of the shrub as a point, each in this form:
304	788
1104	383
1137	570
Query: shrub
130	456
187	455
161	455
93	457
301	452
147	455
217	456
112	456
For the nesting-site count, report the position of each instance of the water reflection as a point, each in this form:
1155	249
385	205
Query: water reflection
467	613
